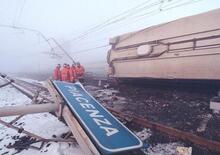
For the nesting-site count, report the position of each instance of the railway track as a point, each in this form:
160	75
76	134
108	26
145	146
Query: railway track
31	86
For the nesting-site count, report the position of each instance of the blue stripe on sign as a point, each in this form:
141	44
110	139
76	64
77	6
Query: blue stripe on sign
107	132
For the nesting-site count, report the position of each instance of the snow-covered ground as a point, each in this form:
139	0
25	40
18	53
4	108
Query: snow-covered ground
44	125
47	125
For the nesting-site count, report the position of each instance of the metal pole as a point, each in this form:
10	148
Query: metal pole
28	109
65	52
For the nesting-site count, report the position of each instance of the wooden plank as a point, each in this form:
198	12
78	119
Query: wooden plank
57	99
80	135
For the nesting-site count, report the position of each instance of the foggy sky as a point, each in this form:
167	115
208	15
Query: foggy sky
26	51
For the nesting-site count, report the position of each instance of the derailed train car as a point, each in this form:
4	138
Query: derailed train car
187	48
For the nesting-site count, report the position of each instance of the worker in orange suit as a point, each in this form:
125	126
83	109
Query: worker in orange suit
65	75
73	77
80	71
57	73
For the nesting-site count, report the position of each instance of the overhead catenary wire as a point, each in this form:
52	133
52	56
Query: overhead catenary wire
156	11
129	16
112	20
66	53
17	16
162	9
30	30
151	13
42	35
90	49
106	24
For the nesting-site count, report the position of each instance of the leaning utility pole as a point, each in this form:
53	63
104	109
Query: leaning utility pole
65	52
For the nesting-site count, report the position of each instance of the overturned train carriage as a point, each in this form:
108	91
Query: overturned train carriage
188	48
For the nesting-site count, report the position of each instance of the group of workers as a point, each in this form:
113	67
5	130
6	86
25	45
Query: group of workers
69	74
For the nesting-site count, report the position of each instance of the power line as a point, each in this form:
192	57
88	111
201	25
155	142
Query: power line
65	52
90	49
21	10
112	18
30	30
111	21
165	8
134	17
154	12
115	20
121	19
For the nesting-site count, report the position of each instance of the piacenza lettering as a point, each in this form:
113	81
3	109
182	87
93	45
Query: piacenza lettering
99	119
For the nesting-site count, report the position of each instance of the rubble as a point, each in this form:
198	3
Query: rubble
184	150
204	123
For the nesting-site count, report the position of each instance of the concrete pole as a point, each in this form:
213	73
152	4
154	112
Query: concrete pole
27	109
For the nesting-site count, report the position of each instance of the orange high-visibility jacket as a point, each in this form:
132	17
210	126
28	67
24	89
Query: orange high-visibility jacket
65	75
80	71
57	74
73	74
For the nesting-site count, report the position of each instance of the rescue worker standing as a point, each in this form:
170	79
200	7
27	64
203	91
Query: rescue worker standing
57	73
80	71
65	74
73	77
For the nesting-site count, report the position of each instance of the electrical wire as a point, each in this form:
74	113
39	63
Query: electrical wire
161	9
20	12
129	14
112	20
108	22
90	49
157	11
30	30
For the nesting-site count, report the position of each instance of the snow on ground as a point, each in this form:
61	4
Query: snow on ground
163	149
144	134
44	124
156	149
9	96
